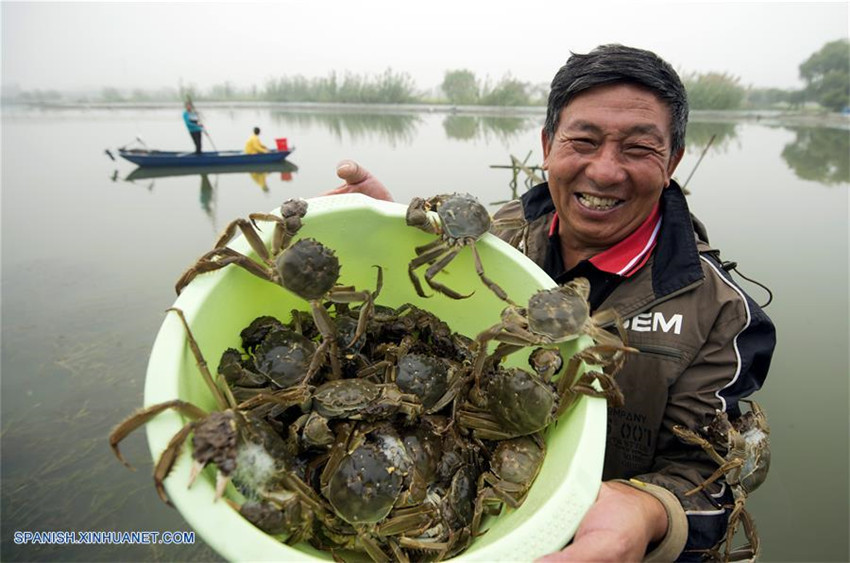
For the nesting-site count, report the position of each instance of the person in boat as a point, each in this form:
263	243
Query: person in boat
194	125
612	213
254	145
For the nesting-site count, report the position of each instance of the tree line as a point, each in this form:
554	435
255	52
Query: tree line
826	74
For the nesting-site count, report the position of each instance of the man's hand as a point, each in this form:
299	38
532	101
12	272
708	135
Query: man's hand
618	527
357	179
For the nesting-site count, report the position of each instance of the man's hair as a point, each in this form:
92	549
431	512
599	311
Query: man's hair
617	64
256	130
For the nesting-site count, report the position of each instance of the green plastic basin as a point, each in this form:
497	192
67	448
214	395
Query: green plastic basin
364	233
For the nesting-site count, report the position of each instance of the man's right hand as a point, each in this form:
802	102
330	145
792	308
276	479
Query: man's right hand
357	179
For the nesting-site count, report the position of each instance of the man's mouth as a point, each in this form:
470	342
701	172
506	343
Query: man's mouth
598	203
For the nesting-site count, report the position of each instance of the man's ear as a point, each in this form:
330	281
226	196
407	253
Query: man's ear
674	162
547	145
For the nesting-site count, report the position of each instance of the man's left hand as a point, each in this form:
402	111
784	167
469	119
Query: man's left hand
618	527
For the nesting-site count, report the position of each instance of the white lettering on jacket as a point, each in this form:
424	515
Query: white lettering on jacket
654	322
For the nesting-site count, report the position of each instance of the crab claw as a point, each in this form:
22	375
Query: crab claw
221	481
197	467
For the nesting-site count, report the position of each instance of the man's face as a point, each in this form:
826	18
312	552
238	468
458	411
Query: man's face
608	162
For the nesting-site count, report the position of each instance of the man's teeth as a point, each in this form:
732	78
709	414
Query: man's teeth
594	202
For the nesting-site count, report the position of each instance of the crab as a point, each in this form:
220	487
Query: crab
311	270
362	488
287	505
219	436
360	399
513	402
553	316
280	360
368	482
452	492
286	226
462	221
436	381
514	465
744	464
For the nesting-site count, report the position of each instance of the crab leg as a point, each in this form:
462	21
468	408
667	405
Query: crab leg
225	400
167	459
140	418
479	267
326	327
437	268
338	295
213	260
217	259
248	232
435	250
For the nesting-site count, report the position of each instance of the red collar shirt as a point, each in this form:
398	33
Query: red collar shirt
610	267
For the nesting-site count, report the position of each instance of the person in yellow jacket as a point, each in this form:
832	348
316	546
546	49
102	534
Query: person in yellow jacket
254	145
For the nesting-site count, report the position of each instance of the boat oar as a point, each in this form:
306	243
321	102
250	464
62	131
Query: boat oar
210	138
701	156
109	154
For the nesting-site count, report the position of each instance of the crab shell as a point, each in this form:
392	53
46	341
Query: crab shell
517	460
521	401
463	216
308	269
284	356
559	314
254	333
425	376
363	488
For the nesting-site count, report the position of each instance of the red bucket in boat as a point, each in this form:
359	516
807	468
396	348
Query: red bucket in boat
282	145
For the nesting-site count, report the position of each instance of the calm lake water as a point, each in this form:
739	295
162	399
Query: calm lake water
89	261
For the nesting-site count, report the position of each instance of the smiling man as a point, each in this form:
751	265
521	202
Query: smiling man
611	212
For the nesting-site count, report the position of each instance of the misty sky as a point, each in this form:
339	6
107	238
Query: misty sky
79	46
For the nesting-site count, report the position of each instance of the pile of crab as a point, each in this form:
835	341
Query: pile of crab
358	427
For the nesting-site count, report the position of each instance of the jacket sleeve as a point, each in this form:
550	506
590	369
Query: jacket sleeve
731	364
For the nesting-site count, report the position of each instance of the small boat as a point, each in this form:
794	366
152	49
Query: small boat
143	157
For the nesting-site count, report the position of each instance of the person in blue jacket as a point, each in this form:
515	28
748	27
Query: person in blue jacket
194	125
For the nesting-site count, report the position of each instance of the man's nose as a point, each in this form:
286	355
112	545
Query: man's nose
606	167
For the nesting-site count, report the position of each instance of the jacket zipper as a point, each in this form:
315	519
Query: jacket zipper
661	351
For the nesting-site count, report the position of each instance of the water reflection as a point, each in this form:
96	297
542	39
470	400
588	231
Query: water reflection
208	177
461	127
700	134
286	169
392	128
820	154
465	127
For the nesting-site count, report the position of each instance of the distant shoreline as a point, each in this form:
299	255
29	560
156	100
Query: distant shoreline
778	117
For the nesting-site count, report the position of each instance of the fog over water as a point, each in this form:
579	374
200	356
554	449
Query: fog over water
154	45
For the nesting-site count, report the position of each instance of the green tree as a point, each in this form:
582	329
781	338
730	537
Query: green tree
460	87
508	92
713	90
110	94
768	97
827	75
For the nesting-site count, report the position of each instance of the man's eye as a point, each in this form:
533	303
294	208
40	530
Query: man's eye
639	150
582	143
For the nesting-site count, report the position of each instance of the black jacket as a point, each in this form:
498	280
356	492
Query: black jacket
704	345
